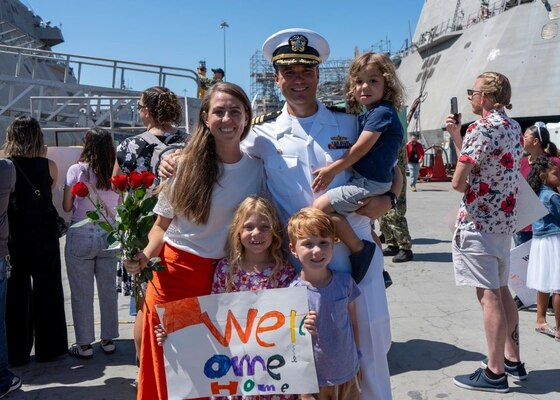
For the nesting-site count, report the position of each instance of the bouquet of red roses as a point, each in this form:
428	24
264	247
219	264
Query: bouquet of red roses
132	222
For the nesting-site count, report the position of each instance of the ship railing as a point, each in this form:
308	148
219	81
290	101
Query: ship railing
114	113
463	21
119	70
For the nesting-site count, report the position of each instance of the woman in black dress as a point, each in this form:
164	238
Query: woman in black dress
35	301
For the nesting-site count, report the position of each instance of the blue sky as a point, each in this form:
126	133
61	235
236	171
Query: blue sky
179	33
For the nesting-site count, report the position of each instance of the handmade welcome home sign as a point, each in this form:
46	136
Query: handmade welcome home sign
238	343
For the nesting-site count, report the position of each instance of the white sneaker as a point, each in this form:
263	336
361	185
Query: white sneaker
108	346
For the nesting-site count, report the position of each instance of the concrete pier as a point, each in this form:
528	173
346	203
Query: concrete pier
437	330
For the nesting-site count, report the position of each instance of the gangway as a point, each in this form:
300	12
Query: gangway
60	98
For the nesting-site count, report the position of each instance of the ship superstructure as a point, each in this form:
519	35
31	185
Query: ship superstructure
455	41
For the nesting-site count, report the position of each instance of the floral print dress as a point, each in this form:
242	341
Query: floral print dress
494	144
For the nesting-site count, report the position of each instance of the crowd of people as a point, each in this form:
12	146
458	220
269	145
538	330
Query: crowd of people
227	197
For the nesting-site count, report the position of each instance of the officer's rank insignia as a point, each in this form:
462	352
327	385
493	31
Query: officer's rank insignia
339	142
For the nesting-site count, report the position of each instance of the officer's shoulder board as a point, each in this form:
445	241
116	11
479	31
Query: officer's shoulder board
266	117
338	109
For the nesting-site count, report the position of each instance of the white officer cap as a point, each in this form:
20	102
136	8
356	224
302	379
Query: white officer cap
296	46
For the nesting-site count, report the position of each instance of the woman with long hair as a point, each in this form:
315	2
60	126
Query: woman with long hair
35	302
194	211
87	256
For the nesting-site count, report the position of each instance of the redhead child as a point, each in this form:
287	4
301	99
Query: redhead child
543	272
331	298
256	261
372	84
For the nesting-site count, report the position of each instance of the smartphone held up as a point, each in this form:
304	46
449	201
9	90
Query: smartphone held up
455	109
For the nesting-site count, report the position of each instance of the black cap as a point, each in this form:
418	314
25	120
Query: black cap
218	71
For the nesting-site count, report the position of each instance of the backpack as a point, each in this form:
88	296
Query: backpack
159	147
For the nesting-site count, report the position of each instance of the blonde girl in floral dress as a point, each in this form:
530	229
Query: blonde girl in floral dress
256	260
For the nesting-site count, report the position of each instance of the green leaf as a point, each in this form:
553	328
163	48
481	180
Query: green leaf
153	260
92	215
139	193
105	226
82	223
129	202
148	204
121	209
148	274
113	238
154	264
145	225
113	246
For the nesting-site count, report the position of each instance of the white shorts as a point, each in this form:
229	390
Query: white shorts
481	259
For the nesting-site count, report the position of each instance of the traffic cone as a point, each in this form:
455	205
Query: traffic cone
438	173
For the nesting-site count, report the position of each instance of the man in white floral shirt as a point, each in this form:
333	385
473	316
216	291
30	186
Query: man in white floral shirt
487	173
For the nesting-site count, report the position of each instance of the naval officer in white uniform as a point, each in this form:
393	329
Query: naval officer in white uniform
306	136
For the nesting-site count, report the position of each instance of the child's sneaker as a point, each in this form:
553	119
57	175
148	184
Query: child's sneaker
479	381
387	279
360	260
517	372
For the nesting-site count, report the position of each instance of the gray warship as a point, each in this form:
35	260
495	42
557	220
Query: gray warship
455	41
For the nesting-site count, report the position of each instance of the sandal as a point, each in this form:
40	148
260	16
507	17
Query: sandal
108	346
83	352
546	330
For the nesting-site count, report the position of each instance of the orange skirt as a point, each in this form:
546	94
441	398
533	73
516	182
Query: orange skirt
185	275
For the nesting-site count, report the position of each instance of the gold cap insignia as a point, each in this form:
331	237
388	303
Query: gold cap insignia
298	43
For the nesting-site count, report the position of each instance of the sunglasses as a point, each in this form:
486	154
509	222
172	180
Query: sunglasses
140	106
471	92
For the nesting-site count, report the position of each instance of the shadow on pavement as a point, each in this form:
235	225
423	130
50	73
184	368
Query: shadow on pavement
67	370
426	355
428	241
541	382
444	257
112	388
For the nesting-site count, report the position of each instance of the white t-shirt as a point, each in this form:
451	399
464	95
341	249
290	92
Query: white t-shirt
237	181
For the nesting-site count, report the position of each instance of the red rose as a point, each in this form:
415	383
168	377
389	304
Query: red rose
119	182
148	178
484	189
508	204
135	179
507	161
80	189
